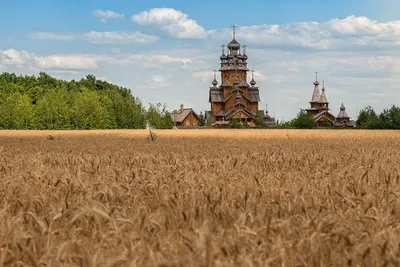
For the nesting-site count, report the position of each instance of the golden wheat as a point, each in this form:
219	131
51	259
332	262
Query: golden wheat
200	198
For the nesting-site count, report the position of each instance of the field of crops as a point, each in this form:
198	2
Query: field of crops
200	198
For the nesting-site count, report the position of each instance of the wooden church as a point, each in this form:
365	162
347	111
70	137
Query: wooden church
234	98
319	110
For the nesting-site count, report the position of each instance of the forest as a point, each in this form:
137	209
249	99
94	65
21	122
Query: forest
43	102
46	103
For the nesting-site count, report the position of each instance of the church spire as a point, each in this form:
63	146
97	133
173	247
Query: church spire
323	98
252	82
234	26
342	113
234	46
316	94
215	82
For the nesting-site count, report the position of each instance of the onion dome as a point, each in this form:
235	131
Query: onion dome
245	52
223	56
234	45
252	82
215	82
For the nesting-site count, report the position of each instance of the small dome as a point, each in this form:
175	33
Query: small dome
316	83
223	57
234	45
253	82
214	82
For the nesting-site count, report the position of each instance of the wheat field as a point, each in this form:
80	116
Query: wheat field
200	198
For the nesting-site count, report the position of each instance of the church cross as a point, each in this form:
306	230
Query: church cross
215	74
252	74
223	48
244	49
234	26
316	76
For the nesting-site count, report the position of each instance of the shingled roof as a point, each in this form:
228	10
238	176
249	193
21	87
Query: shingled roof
216	95
180	116
253	95
342	114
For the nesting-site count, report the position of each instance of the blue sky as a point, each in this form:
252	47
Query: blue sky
165	51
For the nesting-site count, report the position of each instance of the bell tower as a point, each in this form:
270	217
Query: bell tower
234	97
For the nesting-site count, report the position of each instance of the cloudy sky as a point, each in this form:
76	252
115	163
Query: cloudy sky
165	51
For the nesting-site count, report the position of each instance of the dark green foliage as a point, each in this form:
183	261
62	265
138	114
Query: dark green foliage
284	124
202	119
43	102
238	123
16	111
326	124
158	117
387	119
259	121
303	121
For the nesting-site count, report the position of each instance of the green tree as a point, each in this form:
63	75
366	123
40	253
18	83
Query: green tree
303	121
259	121
390	118
367	117
202	120
153	115
16	112
158	116
52	111
167	122
91	111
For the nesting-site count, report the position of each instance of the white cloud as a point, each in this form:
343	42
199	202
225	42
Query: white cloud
26	60
102	78
353	33
119	38
171	21
68	62
205	76
152	60
106	15
158	80
99	37
52	36
357	57
15	58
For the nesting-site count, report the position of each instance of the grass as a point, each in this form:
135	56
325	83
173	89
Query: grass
200	198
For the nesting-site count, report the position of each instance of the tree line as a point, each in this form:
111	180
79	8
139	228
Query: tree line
367	119
44	102
387	119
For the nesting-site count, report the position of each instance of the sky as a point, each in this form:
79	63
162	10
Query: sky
166	51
